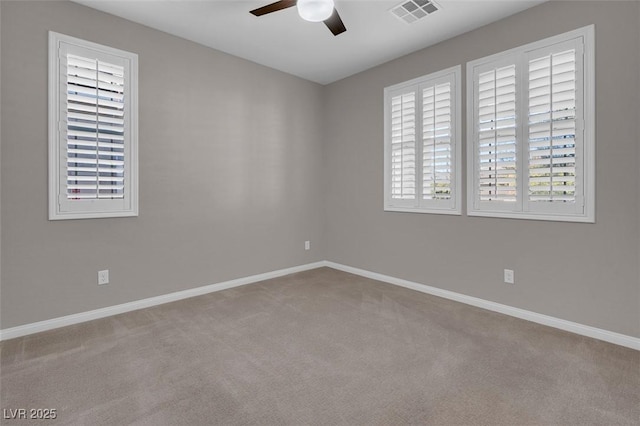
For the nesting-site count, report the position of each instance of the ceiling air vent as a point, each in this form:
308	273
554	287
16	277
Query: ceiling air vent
413	10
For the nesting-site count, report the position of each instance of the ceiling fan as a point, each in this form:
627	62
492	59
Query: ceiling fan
309	10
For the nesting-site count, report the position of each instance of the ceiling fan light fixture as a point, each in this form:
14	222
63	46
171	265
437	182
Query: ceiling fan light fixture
315	10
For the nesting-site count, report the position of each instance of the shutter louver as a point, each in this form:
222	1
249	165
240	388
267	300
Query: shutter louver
436	142
95	129
552	128
403	146
496	123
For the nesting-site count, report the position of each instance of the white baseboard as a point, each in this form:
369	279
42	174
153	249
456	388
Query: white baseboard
584	330
36	327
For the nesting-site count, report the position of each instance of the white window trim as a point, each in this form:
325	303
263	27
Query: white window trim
456	145
56	144
588	147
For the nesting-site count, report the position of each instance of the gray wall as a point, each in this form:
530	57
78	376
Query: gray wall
586	273
240	164
230	182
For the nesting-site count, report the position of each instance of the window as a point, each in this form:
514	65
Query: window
422	144
531	147
92	130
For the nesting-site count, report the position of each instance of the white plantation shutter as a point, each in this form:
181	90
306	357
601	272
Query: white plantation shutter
437	133
530	154
496	127
421	144
403	146
555	117
95	129
93	142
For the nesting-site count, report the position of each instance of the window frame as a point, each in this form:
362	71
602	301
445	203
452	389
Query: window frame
419	205
59	208
586	164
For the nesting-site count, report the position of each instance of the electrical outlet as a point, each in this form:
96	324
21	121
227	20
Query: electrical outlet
509	276
103	277
307	245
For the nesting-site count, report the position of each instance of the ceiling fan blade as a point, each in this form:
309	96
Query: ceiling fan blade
335	24
273	7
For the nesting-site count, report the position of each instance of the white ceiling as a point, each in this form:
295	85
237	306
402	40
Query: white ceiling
282	40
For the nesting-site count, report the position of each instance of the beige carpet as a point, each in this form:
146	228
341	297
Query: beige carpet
320	348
